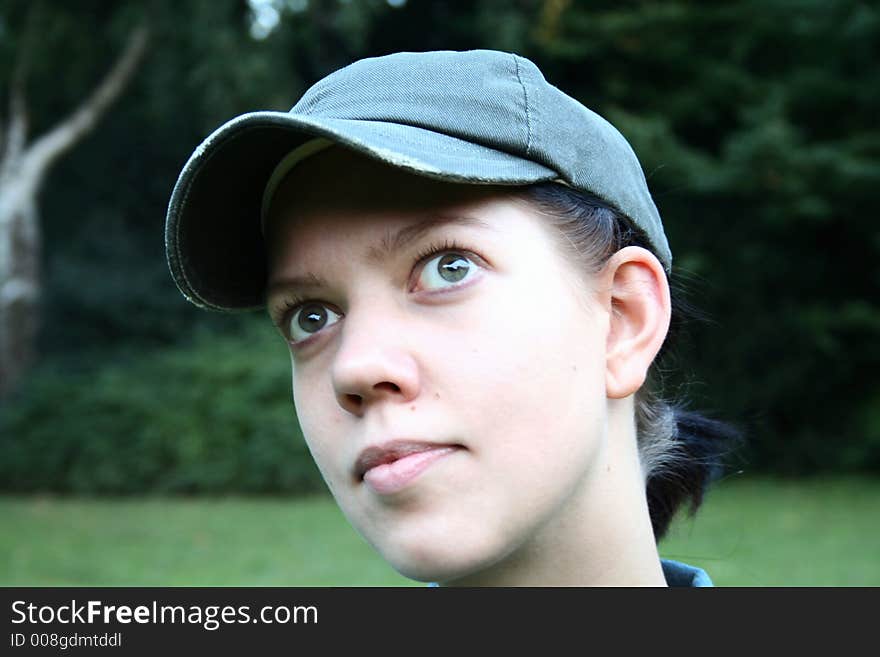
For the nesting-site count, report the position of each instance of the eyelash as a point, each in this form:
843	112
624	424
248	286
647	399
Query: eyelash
294	303
435	248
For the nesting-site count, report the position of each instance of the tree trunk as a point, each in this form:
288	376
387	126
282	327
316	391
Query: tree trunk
22	171
19	287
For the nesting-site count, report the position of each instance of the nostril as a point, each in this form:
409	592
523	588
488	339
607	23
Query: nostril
355	402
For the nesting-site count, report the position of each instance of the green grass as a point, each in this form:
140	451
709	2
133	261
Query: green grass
751	532
767	532
184	542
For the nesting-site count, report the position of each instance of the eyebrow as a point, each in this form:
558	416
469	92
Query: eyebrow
391	243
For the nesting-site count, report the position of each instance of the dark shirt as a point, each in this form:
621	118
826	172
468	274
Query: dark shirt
681	574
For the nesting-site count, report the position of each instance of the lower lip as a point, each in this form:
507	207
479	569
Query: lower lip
390	478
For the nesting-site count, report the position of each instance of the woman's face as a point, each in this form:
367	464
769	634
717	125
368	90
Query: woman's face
454	400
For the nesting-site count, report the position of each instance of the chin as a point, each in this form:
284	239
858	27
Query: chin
441	559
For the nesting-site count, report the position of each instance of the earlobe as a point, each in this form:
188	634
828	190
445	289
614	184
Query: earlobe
639	318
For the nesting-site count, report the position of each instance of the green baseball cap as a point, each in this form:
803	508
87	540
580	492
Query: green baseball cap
477	117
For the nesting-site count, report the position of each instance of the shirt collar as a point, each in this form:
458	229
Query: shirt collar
681	574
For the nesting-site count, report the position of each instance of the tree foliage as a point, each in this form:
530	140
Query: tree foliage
207	415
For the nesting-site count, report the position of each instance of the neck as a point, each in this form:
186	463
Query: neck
601	537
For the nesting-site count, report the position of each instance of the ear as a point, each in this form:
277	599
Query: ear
640	309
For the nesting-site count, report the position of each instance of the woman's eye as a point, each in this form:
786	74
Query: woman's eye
446	270
308	319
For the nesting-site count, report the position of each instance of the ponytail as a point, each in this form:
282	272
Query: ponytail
700	445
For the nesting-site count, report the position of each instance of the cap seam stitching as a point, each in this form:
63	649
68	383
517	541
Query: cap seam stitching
528	111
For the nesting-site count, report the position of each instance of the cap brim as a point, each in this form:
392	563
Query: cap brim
213	240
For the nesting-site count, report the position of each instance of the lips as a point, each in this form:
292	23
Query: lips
390	467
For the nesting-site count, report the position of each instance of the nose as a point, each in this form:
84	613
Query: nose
374	361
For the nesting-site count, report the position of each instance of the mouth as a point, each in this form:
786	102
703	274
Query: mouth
390	467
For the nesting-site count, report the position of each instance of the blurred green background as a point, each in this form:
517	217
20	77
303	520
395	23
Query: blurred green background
171	432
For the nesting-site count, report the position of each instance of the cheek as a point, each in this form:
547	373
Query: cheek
318	419
526	385
529	355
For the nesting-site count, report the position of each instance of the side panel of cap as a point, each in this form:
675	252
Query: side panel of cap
591	154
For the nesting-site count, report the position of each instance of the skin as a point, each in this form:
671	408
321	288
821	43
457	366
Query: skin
526	365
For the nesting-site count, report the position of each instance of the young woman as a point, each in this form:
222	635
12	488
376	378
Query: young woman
473	282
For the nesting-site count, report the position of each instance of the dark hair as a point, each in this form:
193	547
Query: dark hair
680	450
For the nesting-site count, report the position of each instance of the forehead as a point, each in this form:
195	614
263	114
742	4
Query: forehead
339	194
357	211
